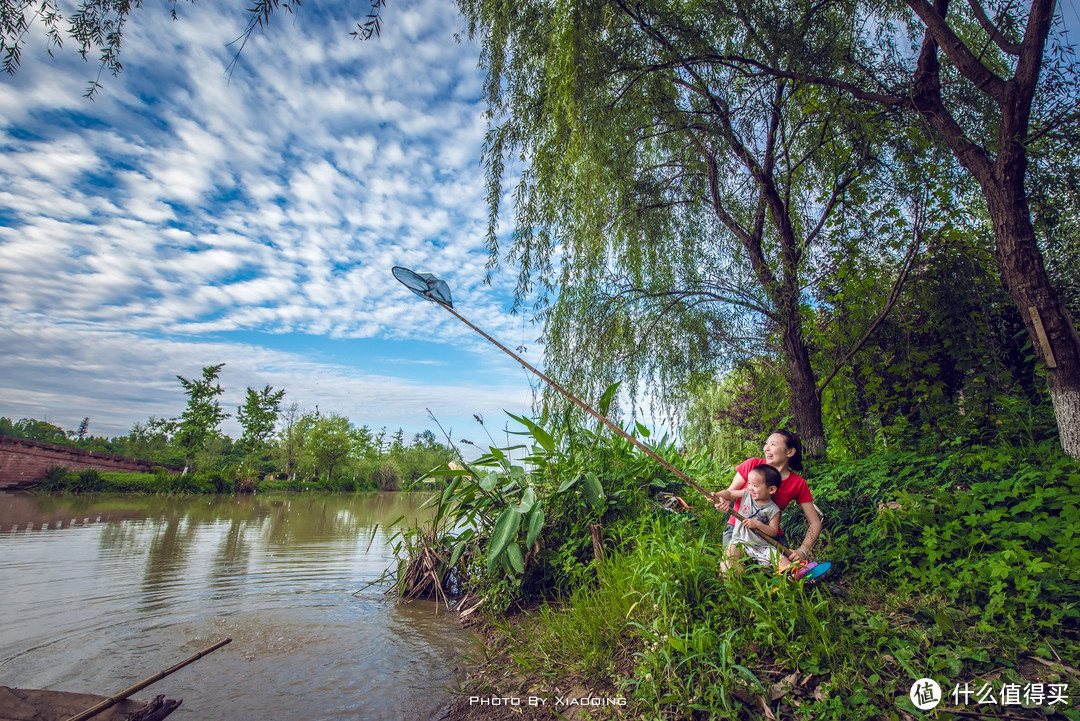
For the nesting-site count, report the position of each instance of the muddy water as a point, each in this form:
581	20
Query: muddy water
97	593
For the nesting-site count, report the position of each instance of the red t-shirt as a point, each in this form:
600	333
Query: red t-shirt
793	488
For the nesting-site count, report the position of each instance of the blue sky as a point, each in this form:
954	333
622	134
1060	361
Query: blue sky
187	218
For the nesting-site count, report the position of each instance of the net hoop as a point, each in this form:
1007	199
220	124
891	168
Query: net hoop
426	285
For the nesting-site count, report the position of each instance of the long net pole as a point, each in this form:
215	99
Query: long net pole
113	700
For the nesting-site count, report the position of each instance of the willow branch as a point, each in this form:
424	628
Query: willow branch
894	294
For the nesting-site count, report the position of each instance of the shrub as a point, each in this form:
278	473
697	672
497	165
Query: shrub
1005	546
54	480
387	476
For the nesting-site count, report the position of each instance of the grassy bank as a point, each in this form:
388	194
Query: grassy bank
61	480
961	566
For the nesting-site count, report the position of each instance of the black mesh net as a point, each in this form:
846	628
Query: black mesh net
425	285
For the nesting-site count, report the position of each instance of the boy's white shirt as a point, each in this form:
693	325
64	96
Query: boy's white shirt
750	508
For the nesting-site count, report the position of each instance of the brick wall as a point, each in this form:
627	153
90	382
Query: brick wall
23	461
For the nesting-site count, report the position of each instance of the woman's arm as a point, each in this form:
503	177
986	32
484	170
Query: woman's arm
722	500
813	530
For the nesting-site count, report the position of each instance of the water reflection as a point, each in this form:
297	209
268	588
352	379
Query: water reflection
100	592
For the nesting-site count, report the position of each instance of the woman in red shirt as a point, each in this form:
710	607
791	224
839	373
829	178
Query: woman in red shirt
783	452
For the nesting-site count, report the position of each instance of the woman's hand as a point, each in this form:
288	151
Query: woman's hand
797	554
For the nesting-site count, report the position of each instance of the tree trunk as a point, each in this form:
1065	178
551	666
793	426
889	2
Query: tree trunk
805	402
1053	333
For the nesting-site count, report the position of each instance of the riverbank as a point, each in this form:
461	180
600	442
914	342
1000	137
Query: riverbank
515	675
499	689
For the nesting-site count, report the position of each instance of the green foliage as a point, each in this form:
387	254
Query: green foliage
683	643
329	443
514	529
997	535
258	416
34	430
203	413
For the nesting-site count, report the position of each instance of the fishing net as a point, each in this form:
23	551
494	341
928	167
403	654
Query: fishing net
425	285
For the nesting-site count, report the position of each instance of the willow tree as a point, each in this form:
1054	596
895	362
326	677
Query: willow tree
679	205
986	80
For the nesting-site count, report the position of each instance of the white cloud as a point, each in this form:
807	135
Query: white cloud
65	373
185	202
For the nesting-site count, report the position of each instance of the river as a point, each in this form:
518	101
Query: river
99	592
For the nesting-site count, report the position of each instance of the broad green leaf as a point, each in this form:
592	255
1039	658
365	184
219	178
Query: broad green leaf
513	554
594	490
453	486
528	498
446	472
459	548
605	400
536	524
489	480
506	527
569	482
539	434
642	430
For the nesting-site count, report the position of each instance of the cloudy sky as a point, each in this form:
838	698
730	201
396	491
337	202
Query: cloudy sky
187	217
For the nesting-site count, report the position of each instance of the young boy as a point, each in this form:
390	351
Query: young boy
762	517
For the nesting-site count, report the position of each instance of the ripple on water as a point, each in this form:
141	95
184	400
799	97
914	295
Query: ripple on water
97	606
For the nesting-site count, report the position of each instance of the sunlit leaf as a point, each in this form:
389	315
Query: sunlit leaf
536	524
594	490
506	527
513	554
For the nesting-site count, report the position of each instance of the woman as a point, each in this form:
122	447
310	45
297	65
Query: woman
783	452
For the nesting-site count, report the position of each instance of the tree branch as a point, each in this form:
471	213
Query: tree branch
894	294
1007	47
953	47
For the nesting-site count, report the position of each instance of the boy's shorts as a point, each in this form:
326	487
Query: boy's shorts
766	555
730	529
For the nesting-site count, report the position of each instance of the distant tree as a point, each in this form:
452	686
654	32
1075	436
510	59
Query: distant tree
365	443
150	441
397	443
330	442
290	439
80	434
426	440
258	416
35	430
203	413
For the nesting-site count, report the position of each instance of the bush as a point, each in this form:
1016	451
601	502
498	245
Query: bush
54	480
387	476
1005	547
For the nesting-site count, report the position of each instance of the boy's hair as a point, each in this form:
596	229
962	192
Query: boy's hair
771	476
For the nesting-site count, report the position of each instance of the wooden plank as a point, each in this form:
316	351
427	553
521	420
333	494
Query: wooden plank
1048	353
28	704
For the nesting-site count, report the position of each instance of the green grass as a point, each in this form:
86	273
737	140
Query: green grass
657	622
